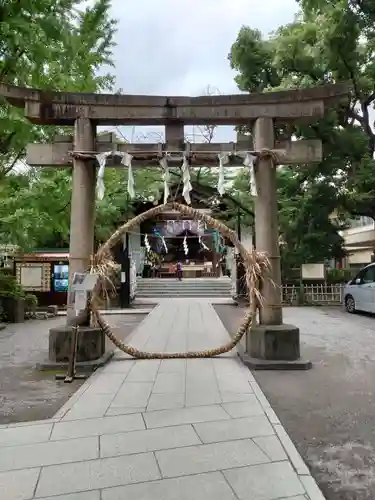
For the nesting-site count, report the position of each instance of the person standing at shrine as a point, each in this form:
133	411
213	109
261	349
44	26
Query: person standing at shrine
179	270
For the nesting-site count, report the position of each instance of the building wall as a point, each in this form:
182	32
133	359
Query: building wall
136	250
359	241
247	238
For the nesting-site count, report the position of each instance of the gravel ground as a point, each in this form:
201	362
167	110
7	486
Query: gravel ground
328	411
25	393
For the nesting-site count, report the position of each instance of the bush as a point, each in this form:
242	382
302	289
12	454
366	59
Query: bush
339	275
31	302
9	289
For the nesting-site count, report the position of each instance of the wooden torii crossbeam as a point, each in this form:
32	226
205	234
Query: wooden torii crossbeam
272	342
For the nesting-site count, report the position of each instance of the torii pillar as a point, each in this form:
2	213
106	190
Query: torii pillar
270	344
82	211
91	349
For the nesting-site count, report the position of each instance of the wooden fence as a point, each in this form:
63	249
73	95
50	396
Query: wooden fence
314	294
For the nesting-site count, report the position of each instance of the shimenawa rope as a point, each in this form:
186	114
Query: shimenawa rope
254	262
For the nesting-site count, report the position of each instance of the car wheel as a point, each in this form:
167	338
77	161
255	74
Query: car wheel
350	304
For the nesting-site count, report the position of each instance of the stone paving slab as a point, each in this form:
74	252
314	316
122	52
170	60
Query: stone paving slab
88	495
148	440
97	474
97	426
209	458
265	482
160	429
48	453
210	486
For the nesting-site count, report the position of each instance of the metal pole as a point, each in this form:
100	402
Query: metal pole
125	276
238	264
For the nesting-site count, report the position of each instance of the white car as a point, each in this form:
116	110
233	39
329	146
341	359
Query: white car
359	293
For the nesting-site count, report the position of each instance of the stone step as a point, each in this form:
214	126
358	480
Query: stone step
179	284
188	287
184	283
188	291
181	295
183	289
171	278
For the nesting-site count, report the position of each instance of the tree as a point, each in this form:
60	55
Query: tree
49	44
45	44
328	42
308	234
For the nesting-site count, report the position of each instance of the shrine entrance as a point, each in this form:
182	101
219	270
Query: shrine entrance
173	238
269	119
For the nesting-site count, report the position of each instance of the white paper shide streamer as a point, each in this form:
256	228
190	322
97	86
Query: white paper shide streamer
187	187
186	248
203	245
101	159
223	160
166	176
147	244
127	161
249	162
164	244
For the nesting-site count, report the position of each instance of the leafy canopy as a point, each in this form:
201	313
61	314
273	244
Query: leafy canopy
49	44
328	42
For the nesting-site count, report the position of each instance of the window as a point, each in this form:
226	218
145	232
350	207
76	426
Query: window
368	276
60	277
361	221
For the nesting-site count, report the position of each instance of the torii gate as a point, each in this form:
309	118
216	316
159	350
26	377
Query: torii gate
272	343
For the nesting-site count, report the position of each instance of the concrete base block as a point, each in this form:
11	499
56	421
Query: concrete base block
273	342
90	345
266	364
273	347
82	366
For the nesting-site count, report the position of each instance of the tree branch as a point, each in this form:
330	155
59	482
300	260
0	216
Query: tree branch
355	116
365	121
11	167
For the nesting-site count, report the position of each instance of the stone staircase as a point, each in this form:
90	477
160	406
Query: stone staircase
188	287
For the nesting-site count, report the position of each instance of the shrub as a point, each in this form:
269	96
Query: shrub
9	289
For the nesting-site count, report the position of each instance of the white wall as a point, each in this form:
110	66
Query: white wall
247	237
135	248
360	256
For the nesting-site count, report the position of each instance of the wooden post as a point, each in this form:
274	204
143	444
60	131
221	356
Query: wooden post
71	373
266	223
82	210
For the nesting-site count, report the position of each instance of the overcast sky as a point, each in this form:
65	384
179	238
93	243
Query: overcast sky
179	47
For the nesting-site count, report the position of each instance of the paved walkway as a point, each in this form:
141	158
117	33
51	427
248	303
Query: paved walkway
159	430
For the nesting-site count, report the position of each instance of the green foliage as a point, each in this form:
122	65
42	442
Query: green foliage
339	275
328	42
49	44
35	208
31	303
307	231
116	207
9	288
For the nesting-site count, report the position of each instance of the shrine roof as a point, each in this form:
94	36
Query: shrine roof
202	196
